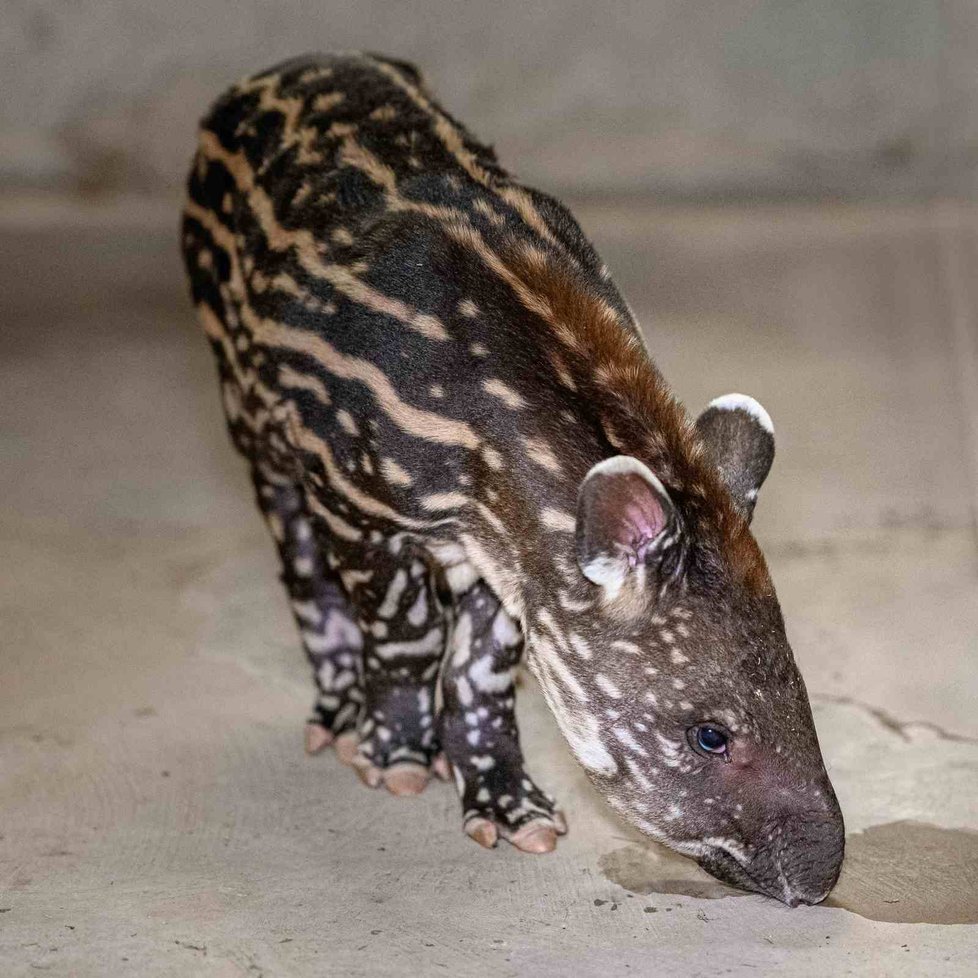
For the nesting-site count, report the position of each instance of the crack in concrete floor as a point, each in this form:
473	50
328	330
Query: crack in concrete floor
900	727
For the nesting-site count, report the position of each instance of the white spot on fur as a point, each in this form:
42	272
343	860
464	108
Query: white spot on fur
579	646
493	459
394	473
430	644
464	691
558	520
346	422
620	645
462	640
418	611
540	452
487	681
505	631
624	737
607	686
505	393
670	749
394	592
461	577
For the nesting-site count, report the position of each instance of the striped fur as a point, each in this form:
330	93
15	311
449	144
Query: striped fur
423	360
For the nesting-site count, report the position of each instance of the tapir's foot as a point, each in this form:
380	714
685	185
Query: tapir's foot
400	754
400	778
333	716
501	803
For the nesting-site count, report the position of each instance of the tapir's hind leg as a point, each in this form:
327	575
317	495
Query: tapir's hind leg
478	731
404	626
326	620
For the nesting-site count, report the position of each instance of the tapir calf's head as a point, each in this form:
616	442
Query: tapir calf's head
694	722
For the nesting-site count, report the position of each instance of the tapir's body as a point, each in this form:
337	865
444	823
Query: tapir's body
459	441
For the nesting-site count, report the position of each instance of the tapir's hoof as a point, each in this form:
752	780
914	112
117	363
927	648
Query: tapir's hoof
442	768
535	837
406	779
346	748
317	738
483	831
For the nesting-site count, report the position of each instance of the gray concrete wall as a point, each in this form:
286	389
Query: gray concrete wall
759	97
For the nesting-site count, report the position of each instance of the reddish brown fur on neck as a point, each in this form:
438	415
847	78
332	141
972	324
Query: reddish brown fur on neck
640	415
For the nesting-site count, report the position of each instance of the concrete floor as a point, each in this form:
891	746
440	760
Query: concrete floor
157	814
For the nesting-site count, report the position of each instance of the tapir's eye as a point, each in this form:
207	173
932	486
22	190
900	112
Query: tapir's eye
708	738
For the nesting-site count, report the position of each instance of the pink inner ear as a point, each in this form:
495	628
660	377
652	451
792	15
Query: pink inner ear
631	513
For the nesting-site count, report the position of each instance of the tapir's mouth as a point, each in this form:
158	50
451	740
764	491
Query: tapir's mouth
725	868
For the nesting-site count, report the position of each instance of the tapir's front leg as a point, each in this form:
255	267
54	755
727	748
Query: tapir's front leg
478	731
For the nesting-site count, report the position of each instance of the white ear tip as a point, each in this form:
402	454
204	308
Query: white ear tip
627	465
742	402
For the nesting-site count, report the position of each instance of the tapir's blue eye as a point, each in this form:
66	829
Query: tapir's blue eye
711	740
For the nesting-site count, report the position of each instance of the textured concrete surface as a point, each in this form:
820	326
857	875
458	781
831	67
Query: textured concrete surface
839	97
157	815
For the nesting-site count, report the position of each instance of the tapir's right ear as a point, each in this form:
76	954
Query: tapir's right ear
739	437
626	524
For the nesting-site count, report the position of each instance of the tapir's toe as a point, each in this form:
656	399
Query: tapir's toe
346	748
368	773
317	738
483	831
406	779
535	837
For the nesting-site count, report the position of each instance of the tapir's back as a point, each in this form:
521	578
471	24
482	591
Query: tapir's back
294	125
333	202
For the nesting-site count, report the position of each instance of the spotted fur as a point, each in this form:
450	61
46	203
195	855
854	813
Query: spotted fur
462	447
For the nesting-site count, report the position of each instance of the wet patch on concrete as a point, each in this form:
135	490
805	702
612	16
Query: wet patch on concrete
910	873
652	869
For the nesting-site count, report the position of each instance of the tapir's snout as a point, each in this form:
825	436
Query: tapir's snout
796	859
807	856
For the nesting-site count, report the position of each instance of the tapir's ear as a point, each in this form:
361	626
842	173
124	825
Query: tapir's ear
626	523
739	437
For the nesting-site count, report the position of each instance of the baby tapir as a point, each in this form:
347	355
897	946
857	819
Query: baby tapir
464	452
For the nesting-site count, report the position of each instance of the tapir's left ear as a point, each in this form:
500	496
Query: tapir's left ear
626	524
739	437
